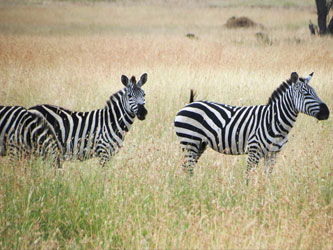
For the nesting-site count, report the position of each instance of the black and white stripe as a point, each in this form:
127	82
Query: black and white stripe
259	131
101	132
23	134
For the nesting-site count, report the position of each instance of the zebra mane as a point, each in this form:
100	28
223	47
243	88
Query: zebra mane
279	91
114	97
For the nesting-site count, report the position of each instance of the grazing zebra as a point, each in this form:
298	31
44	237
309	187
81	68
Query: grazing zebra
23	134
259	131
83	135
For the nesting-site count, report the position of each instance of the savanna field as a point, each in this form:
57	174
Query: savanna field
72	54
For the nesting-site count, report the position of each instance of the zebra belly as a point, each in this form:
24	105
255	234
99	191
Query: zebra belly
81	149
236	147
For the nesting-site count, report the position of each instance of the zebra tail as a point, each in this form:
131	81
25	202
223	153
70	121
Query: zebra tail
193	94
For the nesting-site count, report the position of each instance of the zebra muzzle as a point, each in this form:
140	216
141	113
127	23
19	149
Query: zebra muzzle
142	112
324	112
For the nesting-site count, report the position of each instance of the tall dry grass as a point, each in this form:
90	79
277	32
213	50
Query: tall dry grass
73	55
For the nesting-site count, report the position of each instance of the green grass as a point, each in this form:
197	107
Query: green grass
120	208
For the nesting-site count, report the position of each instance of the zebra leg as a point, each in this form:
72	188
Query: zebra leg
190	159
270	160
104	156
192	155
56	155
16	151
56	159
102	161
252	160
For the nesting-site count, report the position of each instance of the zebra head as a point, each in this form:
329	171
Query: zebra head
305	98
136	95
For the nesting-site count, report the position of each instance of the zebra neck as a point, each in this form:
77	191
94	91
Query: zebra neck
118	112
282	115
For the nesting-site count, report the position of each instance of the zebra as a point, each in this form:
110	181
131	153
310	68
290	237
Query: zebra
23	134
98	133
260	131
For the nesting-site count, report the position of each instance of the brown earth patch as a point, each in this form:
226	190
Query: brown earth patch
241	22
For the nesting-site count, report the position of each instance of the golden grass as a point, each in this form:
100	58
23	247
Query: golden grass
73	55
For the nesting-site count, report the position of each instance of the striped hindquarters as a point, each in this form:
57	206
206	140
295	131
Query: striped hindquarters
24	134
10	117
33	136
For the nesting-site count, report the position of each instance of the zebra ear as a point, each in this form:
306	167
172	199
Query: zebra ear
124	80
294	77
143	80
307	79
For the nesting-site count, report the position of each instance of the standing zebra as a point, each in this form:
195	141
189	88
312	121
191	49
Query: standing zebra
23	134
83	135
259	131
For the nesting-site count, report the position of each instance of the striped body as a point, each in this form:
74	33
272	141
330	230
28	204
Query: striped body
259	131
23	134
83	135
226	129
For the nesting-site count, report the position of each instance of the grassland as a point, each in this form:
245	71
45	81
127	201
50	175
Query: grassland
73	54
